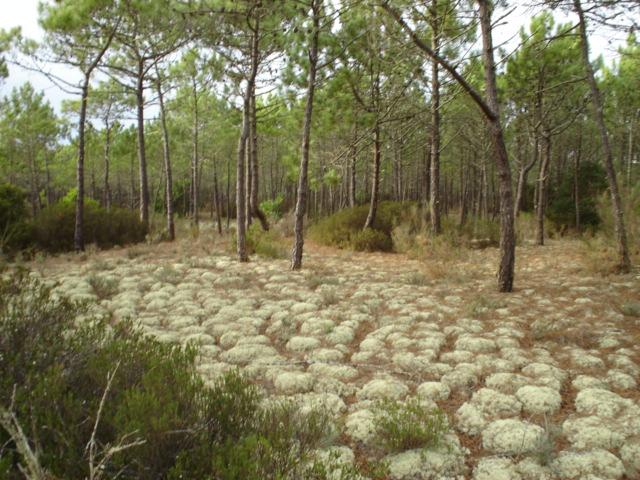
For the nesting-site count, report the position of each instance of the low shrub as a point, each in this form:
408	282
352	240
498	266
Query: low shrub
54	226
273	208
370	240
344	229
268	244
83	390
409	425
15	230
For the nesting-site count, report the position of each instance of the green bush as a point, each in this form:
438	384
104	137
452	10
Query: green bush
273	208
343	229
268	244
54	226
14	227
370	240
56	369
409	425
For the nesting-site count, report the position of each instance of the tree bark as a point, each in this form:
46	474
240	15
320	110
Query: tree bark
78	235
216	197
107	158
303	184
242	145
542	190
142	156
168	190
194	156
507	230
522	179
434	201
624	261
375	179
253	165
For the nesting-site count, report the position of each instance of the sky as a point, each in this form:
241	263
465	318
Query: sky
24	13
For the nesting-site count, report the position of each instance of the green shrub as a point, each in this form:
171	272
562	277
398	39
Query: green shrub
273	208
14	227
408	425
343	229
54	226
56	370
370	240
268	244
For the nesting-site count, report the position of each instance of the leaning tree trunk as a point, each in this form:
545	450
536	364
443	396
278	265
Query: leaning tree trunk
254	206
78	235
142	156
542	190
507	230
303	184
522	179
168	191
375	179
434	201
624	262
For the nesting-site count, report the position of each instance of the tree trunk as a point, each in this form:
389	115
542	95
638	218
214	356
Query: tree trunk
542	191
107	157
352	176
624	262
434	201
242	145
78	235
255	173
194	156
216	197
142	156
576	184
507	231
168	190
375	179
522	179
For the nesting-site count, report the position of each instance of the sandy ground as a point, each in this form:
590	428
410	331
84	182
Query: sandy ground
540	383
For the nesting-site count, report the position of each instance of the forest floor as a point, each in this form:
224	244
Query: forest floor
540	383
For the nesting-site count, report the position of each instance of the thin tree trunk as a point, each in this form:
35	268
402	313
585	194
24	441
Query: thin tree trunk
542	182
242	145
194	156
142	156
216	197
434	201
303	186
630	153
78	235
375	179
576	184
168	190
255	173
624	262
522	179
352	176
107	158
